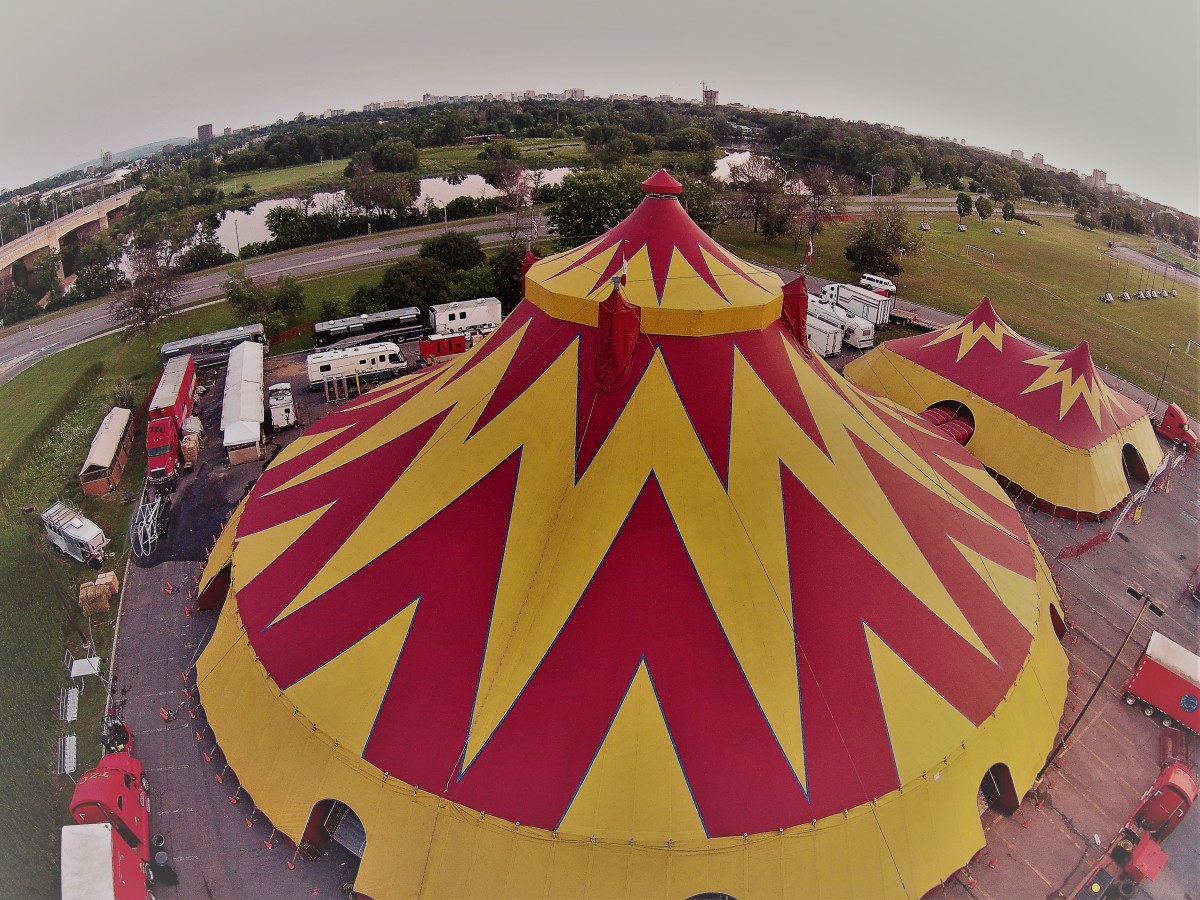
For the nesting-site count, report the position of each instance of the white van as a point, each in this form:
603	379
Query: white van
878	283
370	362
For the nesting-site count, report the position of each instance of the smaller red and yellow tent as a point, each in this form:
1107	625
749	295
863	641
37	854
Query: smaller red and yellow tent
1045	422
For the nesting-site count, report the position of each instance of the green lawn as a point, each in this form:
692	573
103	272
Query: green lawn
1045	284
311	177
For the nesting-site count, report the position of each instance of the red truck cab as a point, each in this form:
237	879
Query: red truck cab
1169	799
1176	427
170	407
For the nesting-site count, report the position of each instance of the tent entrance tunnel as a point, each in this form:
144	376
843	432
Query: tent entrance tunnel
1134	465
953	419
332	820
999	791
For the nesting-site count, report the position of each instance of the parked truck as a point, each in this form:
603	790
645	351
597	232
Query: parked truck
875	308
170	408
856	331
106	853
1165	684
1175	427
480	315
824	339
78	537
1136	854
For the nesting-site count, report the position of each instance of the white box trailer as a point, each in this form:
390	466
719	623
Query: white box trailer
856	331
370	362
823	338
875	308
78	537
282	406
482	314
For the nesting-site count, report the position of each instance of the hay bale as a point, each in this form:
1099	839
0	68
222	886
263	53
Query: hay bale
108	581
93	599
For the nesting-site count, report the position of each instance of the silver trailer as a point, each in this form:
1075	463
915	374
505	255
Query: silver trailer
482	314
875	308
823	338
857	331
78	537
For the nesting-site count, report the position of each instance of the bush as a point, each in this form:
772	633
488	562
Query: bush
1028	220
454	250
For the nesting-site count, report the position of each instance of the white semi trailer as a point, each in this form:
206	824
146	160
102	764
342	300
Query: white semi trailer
824	339
875	308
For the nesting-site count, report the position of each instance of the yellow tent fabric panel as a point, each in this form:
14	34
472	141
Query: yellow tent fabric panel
421	845
1088	481
222	550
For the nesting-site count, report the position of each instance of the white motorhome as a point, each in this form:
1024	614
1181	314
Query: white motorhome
878	283
857	331
282	406
823	338
482	314
370	362
875	308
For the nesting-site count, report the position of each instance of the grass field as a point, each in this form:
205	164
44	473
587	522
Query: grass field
311	177
1045	284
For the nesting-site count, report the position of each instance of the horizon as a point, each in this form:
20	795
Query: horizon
1001	83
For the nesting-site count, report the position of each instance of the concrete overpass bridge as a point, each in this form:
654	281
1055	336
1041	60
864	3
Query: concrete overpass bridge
87	221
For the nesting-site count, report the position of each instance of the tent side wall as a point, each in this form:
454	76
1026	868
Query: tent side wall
1090	481
419	843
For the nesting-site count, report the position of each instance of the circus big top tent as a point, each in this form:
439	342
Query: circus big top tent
1044	421
637	598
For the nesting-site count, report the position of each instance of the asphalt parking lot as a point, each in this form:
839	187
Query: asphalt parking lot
221	847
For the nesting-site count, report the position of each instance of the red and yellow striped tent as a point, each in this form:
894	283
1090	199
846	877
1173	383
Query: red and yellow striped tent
636	598
1044	421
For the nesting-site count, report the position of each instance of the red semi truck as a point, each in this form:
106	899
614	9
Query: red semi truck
170	408
1175	427
1166	684
106	853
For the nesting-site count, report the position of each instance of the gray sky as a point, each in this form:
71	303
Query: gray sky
1094	84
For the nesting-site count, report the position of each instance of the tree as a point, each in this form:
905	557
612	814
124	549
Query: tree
826	196
455	250
758	184
616	151
506	276
468	284
1008	210
593	201
17	305
395	155
984	207
691	140
964	204
151	296
1083	217
204	253
413	281
379	191
700	200
289	225
46	277
875	239
275	306
360	164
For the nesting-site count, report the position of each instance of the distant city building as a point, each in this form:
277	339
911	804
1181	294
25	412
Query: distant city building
372	107
1039	161
204	133
228	131
708	95
106	157
1098	180
392	104
167	148
332	113
1017	154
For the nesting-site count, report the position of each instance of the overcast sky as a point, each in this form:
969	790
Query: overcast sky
1098	84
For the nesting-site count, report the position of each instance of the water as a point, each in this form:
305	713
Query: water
239	227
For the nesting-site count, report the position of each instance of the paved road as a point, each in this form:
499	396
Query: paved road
21	348
1176	275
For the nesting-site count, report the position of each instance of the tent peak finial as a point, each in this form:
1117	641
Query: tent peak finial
662	182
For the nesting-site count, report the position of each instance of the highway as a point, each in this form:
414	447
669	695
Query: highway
24	345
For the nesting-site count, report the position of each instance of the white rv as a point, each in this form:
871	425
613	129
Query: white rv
857	331
482	314
282	406
875	308
823	338
370	362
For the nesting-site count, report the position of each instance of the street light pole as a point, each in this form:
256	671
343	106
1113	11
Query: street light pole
1147	604
873	174
1163	380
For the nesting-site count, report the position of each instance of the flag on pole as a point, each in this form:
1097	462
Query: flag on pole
808	261
624	265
